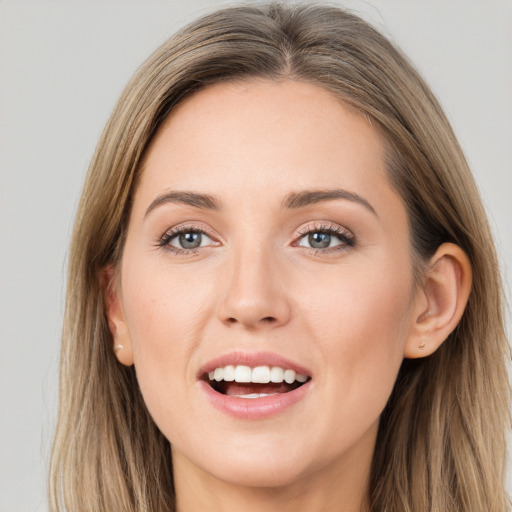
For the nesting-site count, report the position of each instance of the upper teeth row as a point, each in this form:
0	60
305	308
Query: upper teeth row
259	374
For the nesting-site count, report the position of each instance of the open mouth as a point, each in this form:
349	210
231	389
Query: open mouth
261	381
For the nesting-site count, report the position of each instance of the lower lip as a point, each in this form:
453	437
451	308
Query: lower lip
254	408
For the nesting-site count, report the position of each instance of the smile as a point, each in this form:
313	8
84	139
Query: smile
242	385
258	382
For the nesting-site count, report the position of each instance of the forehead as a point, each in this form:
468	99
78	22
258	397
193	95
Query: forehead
260	137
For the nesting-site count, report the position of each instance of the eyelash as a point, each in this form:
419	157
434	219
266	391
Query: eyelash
347	239
164	241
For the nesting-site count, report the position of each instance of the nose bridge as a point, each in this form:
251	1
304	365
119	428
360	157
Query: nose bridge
254	294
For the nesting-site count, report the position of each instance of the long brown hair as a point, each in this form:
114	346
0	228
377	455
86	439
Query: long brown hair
441	443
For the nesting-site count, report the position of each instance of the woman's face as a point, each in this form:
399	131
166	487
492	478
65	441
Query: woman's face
264	234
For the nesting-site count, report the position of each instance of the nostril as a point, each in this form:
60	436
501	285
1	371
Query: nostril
267	320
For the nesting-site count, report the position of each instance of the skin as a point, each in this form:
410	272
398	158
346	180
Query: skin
349	314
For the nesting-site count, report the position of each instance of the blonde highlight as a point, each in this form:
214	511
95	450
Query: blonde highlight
441	443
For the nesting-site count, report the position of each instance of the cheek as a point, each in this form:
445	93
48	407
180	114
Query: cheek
164	305
360	308
165	316
361	332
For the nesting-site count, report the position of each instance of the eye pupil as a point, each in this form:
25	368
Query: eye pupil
190	239
319	240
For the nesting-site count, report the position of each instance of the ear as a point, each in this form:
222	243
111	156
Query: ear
122	346
440	302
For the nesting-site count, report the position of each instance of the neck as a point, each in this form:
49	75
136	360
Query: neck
341	486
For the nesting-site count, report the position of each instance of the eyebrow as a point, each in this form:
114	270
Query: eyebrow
293	201
309	197
202	201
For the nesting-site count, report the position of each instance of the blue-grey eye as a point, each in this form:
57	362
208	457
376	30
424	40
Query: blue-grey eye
319	240
325	239
190	240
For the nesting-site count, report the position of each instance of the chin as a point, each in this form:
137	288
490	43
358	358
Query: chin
264	474
255	463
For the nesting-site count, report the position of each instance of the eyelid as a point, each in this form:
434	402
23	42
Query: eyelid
347	237
191	226
313	226
163	241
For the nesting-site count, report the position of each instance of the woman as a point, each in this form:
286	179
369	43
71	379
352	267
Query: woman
283	292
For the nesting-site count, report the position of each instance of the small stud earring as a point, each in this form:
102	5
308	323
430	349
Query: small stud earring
422	345
117	348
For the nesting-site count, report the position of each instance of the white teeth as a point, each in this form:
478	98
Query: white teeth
256	395
229	373
261	374
289	376
258	374
277	374
243	374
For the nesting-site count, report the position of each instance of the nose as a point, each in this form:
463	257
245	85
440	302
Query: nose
255	294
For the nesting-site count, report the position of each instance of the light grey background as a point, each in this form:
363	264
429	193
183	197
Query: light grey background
63	65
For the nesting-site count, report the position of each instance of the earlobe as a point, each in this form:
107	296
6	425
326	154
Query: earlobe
122	346
441	301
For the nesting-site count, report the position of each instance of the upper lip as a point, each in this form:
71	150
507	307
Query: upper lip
252	359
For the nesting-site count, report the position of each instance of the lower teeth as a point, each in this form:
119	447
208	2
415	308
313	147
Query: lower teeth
256	395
